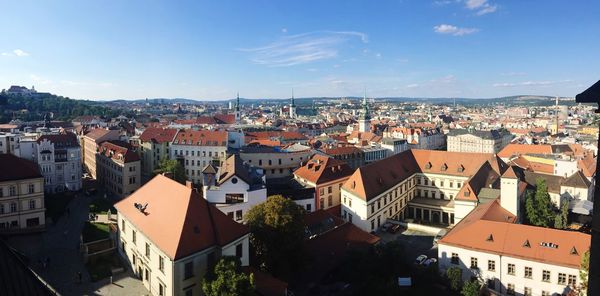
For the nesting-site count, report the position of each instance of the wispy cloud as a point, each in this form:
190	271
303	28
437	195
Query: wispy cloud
16	52
283	30
513	74
481	6
454	30
531	83
303	48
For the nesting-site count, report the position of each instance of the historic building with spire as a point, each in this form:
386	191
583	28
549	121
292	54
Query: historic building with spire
364	121
238	114
292	107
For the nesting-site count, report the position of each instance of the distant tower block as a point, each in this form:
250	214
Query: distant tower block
238	114
364	121
292	107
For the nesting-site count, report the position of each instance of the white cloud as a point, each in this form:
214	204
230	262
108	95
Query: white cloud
284	30
378	55
413	85
482	6
304	48
454	30
17	52
531	83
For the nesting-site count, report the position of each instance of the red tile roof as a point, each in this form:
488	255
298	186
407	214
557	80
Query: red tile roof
509	239
158	135
193	224
98	133
118	150
201	138
62	140
15	168
518	149
322	169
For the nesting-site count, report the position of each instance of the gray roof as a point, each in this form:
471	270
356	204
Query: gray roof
489	135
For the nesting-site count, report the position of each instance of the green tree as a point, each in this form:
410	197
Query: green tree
454	275
174	167
227	279
561	220
584	270
277	234
471	288
539	206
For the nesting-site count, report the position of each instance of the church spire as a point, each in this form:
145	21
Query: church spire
237	102
293	105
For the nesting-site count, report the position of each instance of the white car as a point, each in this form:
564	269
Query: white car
420	259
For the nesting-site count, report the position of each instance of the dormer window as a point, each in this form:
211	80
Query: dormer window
526	244
428	166
461	168
490	238
574	251
444	167
467	193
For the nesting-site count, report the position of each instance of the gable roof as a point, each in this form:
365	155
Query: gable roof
99	133
193	224
371	180
118	150
490	219
61	141
517	149
158	135
20	168
200	138
235	166
322	169
577	180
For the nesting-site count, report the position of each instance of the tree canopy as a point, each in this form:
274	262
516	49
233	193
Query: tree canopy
227	279
471	288
174	167
277	234
539	207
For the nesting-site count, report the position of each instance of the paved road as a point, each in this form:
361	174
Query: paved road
60	244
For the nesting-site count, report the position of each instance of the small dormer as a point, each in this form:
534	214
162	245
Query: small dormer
428	165
460	168
444	167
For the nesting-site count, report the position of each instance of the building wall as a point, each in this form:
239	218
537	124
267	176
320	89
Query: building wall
216	195
151	154
118	178
500	273
20	201
277	164
59	175
172	277
195	158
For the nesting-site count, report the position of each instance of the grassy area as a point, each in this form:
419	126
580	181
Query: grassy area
101	267
56	204
101	206
94	231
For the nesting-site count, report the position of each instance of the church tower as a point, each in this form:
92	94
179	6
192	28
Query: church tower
292	107
238	114
364	121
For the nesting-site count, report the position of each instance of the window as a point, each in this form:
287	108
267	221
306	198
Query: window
562	278
238	215
308	208
491	265
12	191
528	272
329	201
239	250
1	189
231	198
473	263
13	207
161	263
133	236
31	188
322	191
454	259
123	226
527	291
372	224
32	204
572	280
329	190
188	270
1	209
161	289
511	269
147	250
546	276
510	289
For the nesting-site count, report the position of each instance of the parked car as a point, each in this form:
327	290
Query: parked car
420	259
395	228
429	261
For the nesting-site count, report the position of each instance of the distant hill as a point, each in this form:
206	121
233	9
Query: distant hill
34	107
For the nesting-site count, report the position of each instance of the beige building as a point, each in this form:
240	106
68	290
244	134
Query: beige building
197	149
277	162
21	195
90	143
171	236
154	147
119	169
462	140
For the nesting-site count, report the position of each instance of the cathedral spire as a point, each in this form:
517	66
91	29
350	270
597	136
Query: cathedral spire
293	105
237	102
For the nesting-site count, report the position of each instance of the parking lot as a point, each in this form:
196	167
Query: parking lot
415	242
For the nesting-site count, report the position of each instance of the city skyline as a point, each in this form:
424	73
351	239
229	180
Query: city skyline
134	50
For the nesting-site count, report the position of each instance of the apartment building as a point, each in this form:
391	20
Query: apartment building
154	147
479	141
90	143
326	175
235	187
59	159
21	195
174	262
277	162
197	149
119	168
423	185
510	258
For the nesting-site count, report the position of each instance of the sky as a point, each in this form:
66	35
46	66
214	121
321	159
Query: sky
263	49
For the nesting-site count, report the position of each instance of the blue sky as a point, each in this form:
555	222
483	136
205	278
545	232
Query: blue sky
263	49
